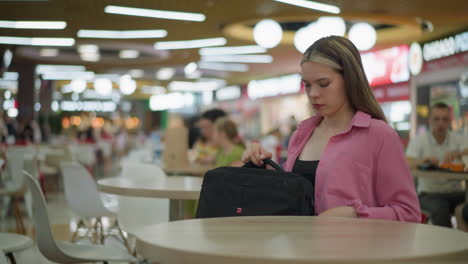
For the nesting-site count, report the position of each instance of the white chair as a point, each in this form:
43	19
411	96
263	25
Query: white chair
83	197
14	185
136	212
65	252
83	153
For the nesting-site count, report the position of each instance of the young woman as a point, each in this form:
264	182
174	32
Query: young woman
347	150
227	139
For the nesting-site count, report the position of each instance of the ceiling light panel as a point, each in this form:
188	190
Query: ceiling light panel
232	50
154	13
189	44
239	58
220	66
37	41
33	24
312	5
122	34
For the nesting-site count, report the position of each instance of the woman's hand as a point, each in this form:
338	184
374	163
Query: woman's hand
256	154
341	211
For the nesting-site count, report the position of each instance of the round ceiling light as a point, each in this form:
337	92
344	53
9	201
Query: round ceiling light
363	35
78	85
103	86
127	85
190	68
306	36
335	26
268	33
165	73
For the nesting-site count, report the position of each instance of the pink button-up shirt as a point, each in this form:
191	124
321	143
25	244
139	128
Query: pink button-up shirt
363	167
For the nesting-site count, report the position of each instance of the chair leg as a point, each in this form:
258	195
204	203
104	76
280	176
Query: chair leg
96	232
18	216
125	240
101	231
75	234
10	256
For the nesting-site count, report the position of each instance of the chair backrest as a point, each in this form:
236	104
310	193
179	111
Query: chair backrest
44	237
132	168
106	148
81	190
15	158
30	166
135	212
86	154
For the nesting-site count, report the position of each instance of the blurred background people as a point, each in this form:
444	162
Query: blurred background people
438	197
205	149
230	146
272	143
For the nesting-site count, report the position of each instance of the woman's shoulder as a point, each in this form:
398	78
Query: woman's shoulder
380	126
381	133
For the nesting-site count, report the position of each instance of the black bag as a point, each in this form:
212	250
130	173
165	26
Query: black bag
253	191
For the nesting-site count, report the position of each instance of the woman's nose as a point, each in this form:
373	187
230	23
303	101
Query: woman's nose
314	92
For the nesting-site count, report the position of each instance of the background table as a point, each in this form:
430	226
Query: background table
296	239
442	174
175	188
191	169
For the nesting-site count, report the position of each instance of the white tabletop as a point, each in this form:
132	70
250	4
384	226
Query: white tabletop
10	242
171	187
296	239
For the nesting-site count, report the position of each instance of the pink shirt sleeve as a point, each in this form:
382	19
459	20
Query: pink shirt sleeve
394	185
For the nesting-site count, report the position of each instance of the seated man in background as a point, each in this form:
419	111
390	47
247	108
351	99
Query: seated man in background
438	196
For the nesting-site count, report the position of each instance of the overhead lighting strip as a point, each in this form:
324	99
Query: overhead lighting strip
312	5
189	44
33	24
64	42
232	50
122	34
154	13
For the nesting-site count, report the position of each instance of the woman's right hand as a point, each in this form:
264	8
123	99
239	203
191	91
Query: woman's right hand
256	154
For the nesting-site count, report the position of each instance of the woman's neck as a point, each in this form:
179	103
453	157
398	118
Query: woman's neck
339	121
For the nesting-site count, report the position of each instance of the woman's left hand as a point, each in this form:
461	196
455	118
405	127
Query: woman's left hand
341	211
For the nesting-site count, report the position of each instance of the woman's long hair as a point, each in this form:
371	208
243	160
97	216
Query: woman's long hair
228	127
340	54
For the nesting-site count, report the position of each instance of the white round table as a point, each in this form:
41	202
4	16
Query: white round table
175	188
12	243
296	239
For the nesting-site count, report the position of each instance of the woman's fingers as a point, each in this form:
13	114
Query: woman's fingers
256	154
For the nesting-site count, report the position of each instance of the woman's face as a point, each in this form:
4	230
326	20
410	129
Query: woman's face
325	88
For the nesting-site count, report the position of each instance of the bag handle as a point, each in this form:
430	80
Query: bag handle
270	162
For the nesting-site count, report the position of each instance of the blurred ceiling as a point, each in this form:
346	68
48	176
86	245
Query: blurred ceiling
229	19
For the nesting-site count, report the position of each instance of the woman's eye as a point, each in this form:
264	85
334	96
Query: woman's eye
324	84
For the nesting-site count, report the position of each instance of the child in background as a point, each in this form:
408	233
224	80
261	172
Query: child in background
226	137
